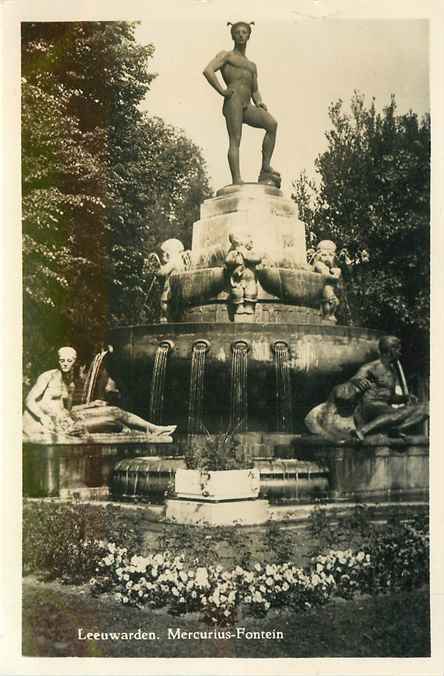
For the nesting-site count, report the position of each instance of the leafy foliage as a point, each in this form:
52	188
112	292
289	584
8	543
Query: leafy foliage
64	541
102	184
372	199
216	452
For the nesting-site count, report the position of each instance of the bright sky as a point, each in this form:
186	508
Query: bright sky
303	66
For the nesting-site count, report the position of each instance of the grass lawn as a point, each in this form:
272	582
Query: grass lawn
395	625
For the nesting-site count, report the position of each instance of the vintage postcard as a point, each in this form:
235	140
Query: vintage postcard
222	424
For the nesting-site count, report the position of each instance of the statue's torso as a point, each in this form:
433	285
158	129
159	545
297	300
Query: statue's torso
238	73
383	381
56	390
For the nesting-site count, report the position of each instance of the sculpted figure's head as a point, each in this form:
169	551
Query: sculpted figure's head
326	252
170	249
67	358
390	346
240	239
240	30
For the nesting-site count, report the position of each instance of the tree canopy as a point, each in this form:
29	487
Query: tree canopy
372	198
102	182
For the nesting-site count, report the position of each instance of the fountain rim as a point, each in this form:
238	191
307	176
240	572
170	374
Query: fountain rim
241	328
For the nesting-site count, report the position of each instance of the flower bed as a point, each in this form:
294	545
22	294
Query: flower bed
163	580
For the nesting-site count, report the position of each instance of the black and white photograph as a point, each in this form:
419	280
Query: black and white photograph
224	390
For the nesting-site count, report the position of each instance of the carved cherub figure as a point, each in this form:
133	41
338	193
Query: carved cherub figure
324	263
240	262
172	259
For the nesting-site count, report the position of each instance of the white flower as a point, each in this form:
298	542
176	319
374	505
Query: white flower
139	563
201	577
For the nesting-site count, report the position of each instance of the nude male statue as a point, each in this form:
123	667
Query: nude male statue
240	77
368	402
376	382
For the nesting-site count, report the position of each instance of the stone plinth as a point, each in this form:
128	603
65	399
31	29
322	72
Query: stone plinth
235	484
371	470
226	513
79	469
258	210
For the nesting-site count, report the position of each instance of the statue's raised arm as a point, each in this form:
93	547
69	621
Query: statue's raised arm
243	103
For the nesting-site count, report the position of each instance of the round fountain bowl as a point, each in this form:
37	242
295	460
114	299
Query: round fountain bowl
285	294
318	357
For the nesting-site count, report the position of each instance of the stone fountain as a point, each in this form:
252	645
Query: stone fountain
255	355
248	342
217	366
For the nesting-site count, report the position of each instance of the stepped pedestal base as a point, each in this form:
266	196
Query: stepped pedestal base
259	210
226	513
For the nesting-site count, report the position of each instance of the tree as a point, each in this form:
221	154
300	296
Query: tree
102	182
372	199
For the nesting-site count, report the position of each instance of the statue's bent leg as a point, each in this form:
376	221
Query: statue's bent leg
95	419
233	113
417	414
261	119
385	421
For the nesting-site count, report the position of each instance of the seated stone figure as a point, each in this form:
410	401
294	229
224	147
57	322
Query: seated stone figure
368	402
325	263
48	408
240	264
173	258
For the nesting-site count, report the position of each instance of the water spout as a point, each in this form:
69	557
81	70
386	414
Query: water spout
239	394
197	387
284	398
158	381
92	375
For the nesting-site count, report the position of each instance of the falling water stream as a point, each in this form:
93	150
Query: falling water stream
91	378
239	396
158	382
284	399
197	387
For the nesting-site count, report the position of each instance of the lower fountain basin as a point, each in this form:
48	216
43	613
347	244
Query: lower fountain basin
318	357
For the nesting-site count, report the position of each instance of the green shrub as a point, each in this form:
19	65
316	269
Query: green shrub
65	540
399	558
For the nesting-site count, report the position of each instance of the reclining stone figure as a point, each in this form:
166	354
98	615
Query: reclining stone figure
48	408
368	402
